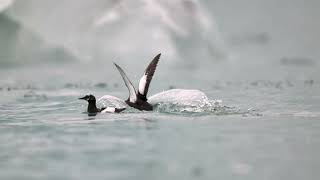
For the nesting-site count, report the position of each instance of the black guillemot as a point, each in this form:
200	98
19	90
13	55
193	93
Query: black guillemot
138	99
92	109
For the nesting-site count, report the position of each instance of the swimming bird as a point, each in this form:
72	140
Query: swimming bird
138	99
93	110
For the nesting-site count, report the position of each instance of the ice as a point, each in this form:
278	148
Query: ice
4	4
99	30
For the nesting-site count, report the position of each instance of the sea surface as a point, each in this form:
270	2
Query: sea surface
253	112
264	129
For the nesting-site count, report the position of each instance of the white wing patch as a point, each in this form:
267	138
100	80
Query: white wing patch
109	110
142	84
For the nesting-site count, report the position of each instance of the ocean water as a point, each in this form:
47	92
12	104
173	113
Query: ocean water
253	112
262	130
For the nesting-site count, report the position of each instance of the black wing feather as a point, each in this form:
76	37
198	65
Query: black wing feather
149	72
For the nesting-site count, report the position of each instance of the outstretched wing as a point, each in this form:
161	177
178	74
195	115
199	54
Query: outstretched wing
132	91
147	77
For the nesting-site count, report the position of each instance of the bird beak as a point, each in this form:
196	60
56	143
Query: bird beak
84	98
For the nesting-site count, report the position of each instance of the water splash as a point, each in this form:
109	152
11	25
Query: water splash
180	101
186	101
111	101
